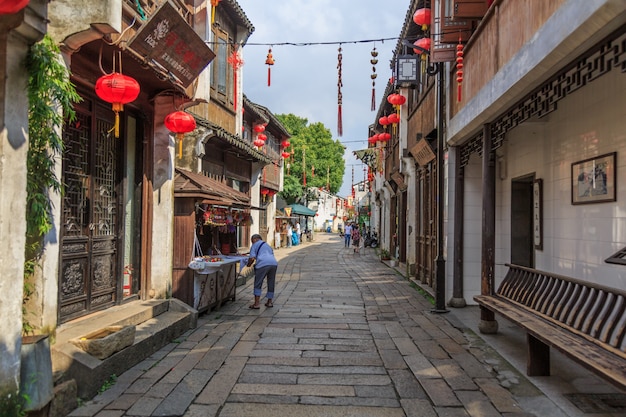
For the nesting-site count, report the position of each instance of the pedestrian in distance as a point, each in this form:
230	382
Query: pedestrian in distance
265	266
299	232
289	234
356	238
347	235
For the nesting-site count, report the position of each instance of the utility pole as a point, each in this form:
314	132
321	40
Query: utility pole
328	178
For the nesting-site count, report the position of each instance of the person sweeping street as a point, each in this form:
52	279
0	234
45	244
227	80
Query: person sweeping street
265	266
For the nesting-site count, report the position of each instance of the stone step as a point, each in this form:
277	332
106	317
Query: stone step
157	323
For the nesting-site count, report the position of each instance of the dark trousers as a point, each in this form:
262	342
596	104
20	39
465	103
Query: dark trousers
259	276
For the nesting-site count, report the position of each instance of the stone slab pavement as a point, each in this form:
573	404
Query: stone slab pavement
348	336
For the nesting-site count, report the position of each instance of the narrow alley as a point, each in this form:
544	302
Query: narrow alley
348	336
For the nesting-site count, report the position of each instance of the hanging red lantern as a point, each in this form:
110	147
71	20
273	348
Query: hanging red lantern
384	137
423	47
258	142
393	118
272	193
265	191
285	155
12	6
269	61
384	121
180	123
400	100
117	89
285	144
391	98
259	128
262	136
371	140
422	18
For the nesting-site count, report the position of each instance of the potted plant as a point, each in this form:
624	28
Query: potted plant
385	255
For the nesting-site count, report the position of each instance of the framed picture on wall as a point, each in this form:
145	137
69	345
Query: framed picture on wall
593	180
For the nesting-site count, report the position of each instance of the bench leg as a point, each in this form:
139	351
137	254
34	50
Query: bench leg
538	363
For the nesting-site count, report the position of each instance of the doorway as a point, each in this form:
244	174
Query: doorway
100	211
522	244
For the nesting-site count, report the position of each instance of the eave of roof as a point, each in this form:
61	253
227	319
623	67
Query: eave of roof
233	140
194	185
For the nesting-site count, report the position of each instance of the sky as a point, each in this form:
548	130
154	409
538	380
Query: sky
304	78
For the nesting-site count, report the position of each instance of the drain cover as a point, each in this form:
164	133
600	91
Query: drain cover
598	403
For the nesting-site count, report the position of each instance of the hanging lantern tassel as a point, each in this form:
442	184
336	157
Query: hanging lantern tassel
213	6
269	62
459	69
374	61
339	95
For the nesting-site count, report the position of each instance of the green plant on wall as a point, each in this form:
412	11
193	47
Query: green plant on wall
51	96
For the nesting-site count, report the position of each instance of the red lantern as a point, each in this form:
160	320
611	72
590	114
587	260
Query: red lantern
259	128
423	47
12	6
384	121
401	100
384	137
371	140
180	123
117	89
393	118
285	155
285	144
258	142
262	136
422	18
265	191
391	98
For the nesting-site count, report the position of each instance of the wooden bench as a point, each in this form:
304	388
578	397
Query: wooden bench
585	321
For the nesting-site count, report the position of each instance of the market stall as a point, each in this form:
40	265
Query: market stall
210	219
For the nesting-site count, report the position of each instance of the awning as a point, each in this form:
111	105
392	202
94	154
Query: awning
191	185
301	210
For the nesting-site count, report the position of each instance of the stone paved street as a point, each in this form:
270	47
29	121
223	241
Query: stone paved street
348	336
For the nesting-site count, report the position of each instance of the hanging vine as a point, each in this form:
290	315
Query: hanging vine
51	96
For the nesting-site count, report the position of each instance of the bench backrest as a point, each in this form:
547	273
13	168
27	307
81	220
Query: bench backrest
596	312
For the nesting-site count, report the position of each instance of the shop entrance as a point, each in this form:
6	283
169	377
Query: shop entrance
97	262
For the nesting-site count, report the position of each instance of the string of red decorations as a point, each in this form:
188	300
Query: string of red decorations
269	61
236	62
459	69
339	95
374	61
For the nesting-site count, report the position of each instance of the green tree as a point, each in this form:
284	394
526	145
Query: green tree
315	152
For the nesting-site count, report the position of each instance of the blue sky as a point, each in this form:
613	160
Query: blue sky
304	78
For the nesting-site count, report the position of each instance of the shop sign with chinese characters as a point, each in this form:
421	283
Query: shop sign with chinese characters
167	39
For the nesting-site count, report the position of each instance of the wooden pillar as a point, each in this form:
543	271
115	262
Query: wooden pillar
488	323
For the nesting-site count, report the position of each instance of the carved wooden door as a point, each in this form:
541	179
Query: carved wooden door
89	227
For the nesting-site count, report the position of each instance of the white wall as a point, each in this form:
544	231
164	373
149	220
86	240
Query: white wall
577	238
